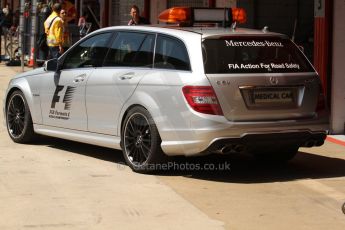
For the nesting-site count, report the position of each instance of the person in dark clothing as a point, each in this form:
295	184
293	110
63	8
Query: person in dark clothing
45	10
136	18
5	18
1	22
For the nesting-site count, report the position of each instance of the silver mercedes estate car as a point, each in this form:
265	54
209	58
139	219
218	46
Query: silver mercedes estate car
156	92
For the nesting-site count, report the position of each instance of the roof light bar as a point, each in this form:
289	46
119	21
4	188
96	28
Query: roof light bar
187	16
176	15
239	15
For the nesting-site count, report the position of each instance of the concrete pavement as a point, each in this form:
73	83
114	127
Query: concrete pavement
53	189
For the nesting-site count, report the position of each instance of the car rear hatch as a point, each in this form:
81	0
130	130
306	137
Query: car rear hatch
261	78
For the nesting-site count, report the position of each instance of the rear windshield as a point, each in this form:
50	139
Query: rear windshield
253	55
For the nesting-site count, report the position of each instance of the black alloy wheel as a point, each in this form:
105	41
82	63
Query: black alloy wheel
141	141
137	139
18	118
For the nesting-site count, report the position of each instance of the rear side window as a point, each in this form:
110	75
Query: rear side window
253	55
171	54
131	49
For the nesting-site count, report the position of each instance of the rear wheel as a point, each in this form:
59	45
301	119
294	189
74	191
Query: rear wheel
18	118
141	141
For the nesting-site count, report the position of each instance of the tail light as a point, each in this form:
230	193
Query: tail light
202	99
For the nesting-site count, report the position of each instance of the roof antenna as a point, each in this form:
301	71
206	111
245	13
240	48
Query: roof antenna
294	31
265	29
224	19
233	26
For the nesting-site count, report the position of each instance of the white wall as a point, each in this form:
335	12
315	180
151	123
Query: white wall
156	7
227	3
338	69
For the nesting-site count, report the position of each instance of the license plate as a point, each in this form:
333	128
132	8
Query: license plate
273	96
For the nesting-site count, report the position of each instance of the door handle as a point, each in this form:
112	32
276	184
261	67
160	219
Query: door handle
127	76
79	78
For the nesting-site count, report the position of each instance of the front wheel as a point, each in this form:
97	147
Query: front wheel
18	118
141	141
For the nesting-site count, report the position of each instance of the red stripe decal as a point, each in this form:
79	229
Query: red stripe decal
336	141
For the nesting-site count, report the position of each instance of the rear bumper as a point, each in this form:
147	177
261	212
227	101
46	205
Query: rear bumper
251	142
215	136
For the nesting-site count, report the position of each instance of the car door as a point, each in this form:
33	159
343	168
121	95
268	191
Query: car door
63	92
129	58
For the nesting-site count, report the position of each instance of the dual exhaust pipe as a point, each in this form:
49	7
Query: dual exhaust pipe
239	148
312	143
233	148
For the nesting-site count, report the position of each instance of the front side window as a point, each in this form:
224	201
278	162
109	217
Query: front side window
171	54
89	53
131	49
253	55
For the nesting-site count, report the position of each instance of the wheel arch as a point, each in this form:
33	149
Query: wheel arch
23	133
9	93
143	100
23	86
17	88
123	117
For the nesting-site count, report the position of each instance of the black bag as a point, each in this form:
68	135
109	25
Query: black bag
42	40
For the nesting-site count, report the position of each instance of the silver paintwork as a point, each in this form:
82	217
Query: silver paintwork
104	95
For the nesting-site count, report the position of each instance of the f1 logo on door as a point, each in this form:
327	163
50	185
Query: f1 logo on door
67	99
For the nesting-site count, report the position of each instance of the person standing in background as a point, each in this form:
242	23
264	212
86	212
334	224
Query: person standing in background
136	18
6	18
54	29
82	24
82	19
71	12
66	43
45	11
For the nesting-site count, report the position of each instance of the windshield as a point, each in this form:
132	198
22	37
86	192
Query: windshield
253	55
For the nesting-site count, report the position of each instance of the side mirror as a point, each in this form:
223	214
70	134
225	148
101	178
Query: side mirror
51	65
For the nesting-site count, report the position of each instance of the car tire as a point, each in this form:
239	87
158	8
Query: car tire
18	119
141	143
278	156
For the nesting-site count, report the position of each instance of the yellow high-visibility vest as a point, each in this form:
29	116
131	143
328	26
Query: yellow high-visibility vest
55	32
